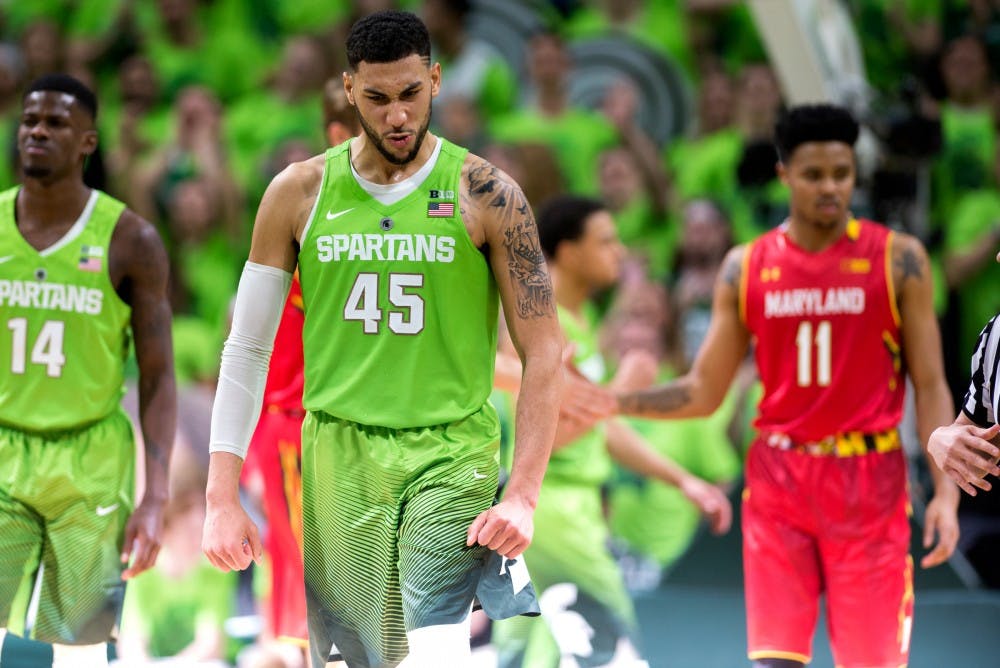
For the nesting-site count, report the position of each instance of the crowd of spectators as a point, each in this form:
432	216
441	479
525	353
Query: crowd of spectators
203	101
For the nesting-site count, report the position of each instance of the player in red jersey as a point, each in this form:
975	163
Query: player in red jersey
275	460
838	311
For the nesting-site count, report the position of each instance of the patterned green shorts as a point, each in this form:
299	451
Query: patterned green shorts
64	501
385	514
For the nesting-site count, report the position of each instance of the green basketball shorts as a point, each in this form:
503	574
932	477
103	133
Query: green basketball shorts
65	498
385	515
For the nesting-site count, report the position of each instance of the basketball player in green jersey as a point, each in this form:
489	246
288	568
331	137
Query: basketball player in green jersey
587	616
405	245
79	276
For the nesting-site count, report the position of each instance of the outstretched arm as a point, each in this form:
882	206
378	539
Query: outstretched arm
143	286
498	207
700	391
922	350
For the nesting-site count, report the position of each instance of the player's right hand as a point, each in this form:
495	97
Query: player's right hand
711	502
230	539
506	528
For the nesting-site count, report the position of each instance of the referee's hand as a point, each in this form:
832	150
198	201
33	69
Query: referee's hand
230	539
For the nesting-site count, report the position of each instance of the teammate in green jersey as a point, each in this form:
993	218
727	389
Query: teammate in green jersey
405	244
79	276
589	617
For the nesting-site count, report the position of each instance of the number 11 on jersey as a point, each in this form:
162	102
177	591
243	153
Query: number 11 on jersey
805	343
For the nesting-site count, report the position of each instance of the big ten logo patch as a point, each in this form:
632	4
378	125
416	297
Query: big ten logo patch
441	194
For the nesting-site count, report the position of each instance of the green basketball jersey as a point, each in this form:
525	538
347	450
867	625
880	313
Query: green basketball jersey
401	307
585	461
65	332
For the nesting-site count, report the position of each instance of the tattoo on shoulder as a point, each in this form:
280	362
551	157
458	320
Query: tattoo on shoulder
732	269
525	260
908	263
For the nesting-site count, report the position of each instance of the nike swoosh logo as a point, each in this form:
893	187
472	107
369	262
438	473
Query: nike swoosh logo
5	258
330	215
477	475
106	510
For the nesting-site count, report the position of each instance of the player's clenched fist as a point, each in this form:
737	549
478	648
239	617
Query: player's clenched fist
506	528
230	539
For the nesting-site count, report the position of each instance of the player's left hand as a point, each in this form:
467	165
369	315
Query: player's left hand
941	518
143	534
712	503
506	528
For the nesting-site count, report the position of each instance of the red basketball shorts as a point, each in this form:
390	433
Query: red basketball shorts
825	524
276	452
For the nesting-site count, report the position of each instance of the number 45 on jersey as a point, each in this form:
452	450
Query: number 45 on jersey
407	313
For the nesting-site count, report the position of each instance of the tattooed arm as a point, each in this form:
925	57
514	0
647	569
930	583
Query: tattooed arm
139	270
701	390
504	226
921	345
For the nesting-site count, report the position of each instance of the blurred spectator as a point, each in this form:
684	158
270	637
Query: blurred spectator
723	31
714	137
458	119
736	165
634	184
760	201
968	126
340	120
289	107
205	266
706	237
661	26
134	123
212	44
471	68
981	17
531	164
971	240
11	76
908	37
576	136
196	150
964	165
43	48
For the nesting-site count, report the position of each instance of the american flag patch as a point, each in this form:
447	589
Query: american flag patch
90	258
89	264
440	209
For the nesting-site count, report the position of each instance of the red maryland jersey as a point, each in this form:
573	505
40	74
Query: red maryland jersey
284	375
826	331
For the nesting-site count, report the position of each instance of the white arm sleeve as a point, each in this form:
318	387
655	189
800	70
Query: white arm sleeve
260	300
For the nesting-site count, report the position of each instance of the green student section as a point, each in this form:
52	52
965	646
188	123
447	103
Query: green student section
695	618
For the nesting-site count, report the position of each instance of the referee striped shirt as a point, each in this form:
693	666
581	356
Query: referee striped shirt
982	400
